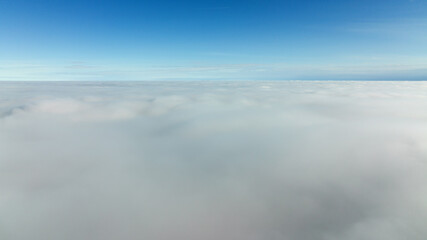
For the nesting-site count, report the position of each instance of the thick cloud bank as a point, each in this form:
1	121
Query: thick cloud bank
213	160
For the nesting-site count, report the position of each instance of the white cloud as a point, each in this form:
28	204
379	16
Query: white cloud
213	160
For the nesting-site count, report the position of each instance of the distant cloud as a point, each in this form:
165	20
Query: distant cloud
384	68
79	66
415	29
300	160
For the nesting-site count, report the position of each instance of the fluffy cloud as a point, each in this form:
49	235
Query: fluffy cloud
213	160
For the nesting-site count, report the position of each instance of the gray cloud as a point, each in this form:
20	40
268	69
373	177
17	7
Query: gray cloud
213	160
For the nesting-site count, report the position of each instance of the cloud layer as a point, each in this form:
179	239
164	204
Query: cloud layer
213	160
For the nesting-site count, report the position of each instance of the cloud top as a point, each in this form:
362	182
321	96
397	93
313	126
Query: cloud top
213	160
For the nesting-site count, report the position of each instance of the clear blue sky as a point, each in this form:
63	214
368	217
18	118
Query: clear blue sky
188	40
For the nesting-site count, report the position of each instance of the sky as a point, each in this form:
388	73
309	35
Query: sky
216	40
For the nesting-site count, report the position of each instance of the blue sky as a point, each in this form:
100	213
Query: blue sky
191	40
